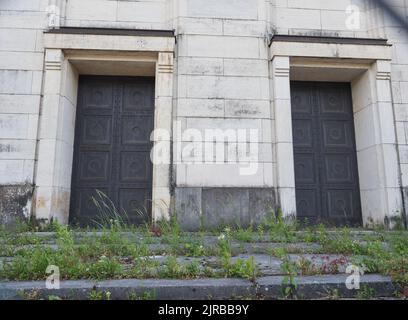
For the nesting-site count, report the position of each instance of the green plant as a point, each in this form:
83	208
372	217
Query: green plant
171	268
243	269
104	268
280	229
306	267
224	248
340	242
147	295
194	249
333	294
289	270
144	267
171	233
29	265
244	235
108	215
365	293
99	295
192	270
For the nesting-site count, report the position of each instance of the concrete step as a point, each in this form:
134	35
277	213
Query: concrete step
266	265
237	248
313	287
207	238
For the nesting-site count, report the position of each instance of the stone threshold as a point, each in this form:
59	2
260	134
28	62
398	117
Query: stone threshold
308	287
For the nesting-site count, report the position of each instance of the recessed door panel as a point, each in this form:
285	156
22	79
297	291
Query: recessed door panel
327	188
112	147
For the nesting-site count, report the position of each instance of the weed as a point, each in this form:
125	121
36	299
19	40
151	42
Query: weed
108	215
245	269
365	293
174	270
244	235
333	294
147	295
104	268
306	267
171	233
224	248
99	295
280	229
194	249
192	270
290	272
144	267
30	294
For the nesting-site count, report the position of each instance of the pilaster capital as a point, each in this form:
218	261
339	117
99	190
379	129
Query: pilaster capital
165	63
53	59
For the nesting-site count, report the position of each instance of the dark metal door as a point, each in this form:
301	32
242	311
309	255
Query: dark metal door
327	188
112	147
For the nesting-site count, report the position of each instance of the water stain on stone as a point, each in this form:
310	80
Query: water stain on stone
15	203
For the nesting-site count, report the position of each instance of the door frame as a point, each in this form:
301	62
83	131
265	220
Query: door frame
69	54
366	64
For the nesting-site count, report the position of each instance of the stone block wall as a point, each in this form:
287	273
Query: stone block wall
21	71
319	17
222	83
221	79
144	14
396	35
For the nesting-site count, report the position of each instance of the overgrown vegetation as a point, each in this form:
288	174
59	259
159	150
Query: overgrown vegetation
116	251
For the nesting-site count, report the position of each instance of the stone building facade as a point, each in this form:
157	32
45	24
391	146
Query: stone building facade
311	94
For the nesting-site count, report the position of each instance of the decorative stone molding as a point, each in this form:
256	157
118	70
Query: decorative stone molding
53	65
383	70
280	67
161	68
53	59
281	72
165	63
383	75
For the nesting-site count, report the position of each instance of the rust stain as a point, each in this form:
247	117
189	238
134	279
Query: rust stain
40	202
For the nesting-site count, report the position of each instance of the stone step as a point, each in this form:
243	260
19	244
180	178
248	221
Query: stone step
236	248
186	236
314	287
266	265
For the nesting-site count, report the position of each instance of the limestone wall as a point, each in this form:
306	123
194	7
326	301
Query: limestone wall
21	72
222	73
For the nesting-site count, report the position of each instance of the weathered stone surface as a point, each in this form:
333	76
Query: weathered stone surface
262	202
223	76
238	207
121	289
228	206
15	203
320	287
188	207
214	207
315	287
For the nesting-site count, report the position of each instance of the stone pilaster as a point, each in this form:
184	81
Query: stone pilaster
280	92
162	137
